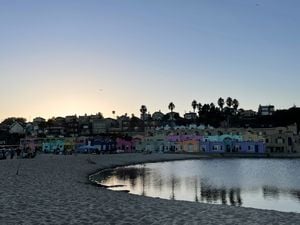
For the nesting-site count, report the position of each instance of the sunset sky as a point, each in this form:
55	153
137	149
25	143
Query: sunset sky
65	57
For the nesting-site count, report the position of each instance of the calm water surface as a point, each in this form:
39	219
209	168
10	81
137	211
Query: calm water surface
258	183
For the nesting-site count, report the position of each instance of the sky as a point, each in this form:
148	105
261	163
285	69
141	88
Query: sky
66	57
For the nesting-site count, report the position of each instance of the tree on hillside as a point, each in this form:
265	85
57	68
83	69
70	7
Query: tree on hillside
212	107
221	103
205	108
235	104
143	111
171	106
199	107
100	115
9	121
229	102
194	105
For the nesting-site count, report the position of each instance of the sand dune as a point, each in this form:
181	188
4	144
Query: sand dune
53	189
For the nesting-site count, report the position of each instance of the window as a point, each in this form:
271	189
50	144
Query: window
280	140
250	147
217	147
290	142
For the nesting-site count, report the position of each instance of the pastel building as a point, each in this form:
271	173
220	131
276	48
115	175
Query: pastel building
138	143
31	144
125	144
69	144
184	142
156	143
230	144
103	143
53	145
191	146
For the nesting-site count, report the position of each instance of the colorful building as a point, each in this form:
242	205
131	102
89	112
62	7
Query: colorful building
125	144
225	144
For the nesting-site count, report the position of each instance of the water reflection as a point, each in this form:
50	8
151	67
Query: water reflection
238	182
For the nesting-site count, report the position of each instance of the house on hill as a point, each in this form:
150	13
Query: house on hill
17	128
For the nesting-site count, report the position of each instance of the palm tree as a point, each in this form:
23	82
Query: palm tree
221	103
212	107
171	106
143	111
194	105
199	107
229	102
235	104
206	108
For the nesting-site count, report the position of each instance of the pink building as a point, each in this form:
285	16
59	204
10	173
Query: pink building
125	145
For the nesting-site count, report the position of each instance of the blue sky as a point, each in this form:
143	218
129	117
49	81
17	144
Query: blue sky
85	56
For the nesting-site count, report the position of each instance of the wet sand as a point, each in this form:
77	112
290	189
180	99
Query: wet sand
54	189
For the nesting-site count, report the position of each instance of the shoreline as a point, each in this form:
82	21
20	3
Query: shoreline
54	189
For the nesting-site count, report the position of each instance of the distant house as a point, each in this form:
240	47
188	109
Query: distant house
124	122
145	116
38	120
59	121
71	126
247	113
281	142
190	116
266	110
191	146
55	131
125	144
186	142
99	126
17	128
104	143
157	116
230	145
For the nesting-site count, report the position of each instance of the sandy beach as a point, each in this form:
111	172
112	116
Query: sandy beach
54	189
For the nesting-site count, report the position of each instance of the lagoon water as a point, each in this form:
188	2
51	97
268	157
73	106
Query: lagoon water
258	183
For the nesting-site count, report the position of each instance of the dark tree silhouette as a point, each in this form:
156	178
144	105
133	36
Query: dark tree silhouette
235	104
143	111
221	103
171	106
194	105
229	102
199	107
205	108
212	107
